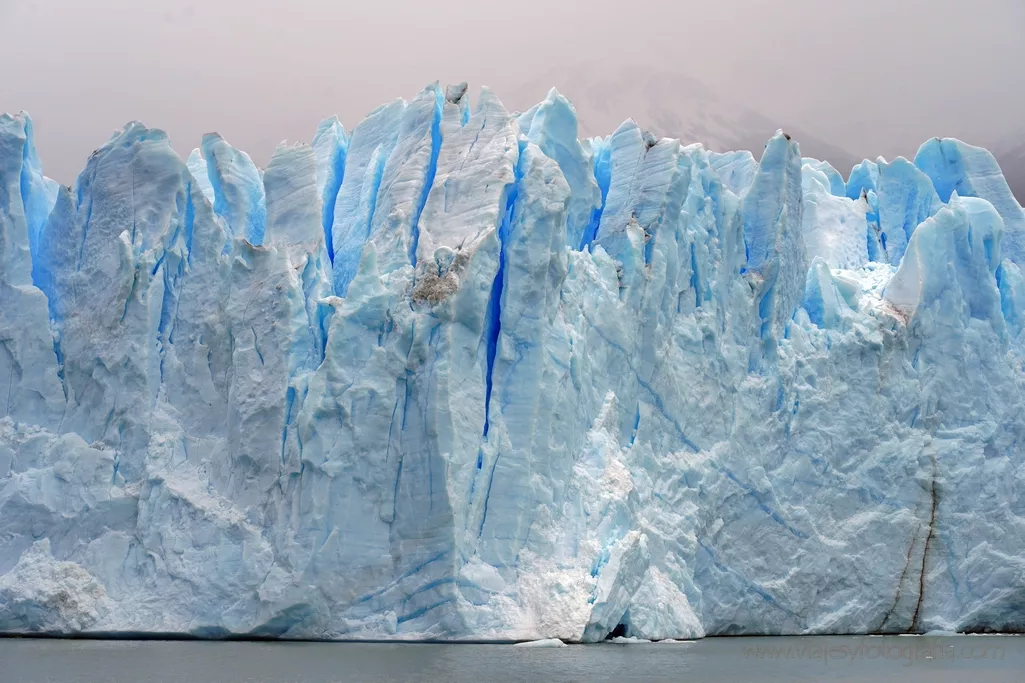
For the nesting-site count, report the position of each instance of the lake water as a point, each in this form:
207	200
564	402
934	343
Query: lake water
956	659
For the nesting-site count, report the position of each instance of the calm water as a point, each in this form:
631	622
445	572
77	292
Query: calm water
963	659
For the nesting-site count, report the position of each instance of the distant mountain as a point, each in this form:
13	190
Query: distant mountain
668	104
1012	162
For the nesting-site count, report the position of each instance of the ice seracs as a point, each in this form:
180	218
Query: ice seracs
954	166
460	375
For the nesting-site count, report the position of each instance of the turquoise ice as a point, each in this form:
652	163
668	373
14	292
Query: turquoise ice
457	374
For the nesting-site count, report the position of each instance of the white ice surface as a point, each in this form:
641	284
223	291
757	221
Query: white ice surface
460	375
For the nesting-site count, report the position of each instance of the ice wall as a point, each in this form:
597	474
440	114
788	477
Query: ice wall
461	375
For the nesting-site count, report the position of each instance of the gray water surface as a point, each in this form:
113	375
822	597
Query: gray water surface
956	659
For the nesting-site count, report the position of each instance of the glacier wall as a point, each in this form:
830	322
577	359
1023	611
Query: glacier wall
457	374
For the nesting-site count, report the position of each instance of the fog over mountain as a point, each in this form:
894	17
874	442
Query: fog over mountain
1012	161
673	104
669	104
873	78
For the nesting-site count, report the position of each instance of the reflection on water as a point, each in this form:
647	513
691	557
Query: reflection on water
926	659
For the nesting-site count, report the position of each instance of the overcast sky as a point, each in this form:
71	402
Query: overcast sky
876	77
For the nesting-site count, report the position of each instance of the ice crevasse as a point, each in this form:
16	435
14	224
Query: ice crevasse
457	374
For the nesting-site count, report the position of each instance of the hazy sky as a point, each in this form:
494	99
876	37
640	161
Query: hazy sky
877	76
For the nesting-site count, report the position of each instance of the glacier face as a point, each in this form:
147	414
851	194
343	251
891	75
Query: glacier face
458	374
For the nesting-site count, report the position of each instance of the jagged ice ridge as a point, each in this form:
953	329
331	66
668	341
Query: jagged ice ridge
457	374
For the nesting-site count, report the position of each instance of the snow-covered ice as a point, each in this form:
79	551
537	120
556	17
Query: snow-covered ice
460	375
547	642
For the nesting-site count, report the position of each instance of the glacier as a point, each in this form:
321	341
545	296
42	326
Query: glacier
458	374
